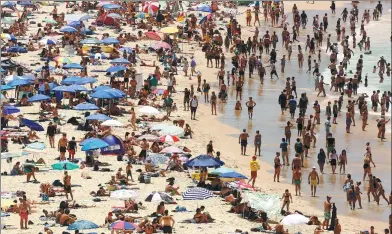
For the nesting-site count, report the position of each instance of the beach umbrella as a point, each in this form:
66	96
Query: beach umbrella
62	60
268	203
114	16
110	40
68	29
73	66
9	110
75	24
101	87
111	6
169	138
122	225
76	17
49	21
64	165
48	41
9	4
102	3
159	197
153	36
222	170
26	4
161	91
172	150
120	61
94	144
38	98
100	117
148	137
35	147
7	36
19	82
149	110
64	88
163	45
112	123
31	124
172	130
108	94
17	49
169	30
6	87
294	219
157	159
116	68
78	80
232	175
51	87
7	10
82	225
159	126
196	193
8	20
6	203
86	106
7	155
151	7
204	161
124	194
127	49
90	41
203	8
140	15
79	88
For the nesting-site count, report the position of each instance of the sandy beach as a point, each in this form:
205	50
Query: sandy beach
223	130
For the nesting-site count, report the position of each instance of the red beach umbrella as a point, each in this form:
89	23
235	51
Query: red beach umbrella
153	36
169	138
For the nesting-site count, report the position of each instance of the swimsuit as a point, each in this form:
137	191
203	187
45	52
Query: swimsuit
63	149
244	143
313	182
297	181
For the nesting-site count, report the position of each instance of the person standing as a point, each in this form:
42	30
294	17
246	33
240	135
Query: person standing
67	185
299	150
72	147
254	167
277	166
193	66
24	211
313	180
327	212
321	160
128	170
297	179
257	143
194	104
167	223
343	162
282	101
250	104
145	146
243	140
285	154
51	131
287	198
62	146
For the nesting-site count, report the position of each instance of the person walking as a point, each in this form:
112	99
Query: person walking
254	167
194	104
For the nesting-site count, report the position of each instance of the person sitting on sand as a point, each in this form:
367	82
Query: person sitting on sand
109	219
16	169
161	209
149	168
100	193
66	219
130	206
33	136
171	189
199	217
30	172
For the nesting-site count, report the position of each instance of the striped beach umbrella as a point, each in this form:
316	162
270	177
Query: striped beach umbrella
196	194
169	138
159	197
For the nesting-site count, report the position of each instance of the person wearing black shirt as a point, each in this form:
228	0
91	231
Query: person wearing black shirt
330	144
304	19
72	149
282	101
51	131
303	104
187	98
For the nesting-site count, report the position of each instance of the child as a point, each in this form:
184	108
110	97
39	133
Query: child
374	69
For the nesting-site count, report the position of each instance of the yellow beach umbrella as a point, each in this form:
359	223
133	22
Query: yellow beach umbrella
169	30
5	203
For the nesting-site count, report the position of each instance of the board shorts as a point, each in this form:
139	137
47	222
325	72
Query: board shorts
244	143
63	149
167	229
67	188
253	174
327	215
24	215
313	182
297	182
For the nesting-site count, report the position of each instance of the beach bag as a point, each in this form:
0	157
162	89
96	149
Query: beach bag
180	209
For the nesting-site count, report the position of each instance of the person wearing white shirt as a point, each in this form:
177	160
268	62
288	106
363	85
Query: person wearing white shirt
194	103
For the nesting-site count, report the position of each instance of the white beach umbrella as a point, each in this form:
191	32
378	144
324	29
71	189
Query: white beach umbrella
124	194
172	130
149	110
294	219
172	150
159	126
112	123
48	41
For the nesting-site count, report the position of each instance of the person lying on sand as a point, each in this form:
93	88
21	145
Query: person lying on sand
101	192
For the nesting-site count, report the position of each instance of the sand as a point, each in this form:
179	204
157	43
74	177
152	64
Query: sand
206	128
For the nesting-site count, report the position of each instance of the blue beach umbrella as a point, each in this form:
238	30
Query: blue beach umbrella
17	49
68	29
203	8
111	6
116	69
38	98
94	144
88	140
74	23
127	49
110	40
233	175
73	66
6	87
48	41
19	82
8	4
51	87
100	117
101	87
222	170
26	4
120	61
31	124
64	165
204	161
86	106
82	225
63	88
9	110
36	146
78	88
109	94
78	80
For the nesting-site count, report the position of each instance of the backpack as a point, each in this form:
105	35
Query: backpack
299	147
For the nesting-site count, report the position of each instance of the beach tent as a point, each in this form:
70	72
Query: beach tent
115	145
159	197
269	203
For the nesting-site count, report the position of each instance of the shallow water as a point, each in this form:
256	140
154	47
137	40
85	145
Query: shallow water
271	124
